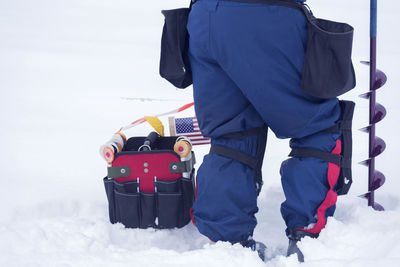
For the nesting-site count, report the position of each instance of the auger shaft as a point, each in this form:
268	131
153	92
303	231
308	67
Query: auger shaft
372	103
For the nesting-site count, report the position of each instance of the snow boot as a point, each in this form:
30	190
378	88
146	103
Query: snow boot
255	246
294	249
295	235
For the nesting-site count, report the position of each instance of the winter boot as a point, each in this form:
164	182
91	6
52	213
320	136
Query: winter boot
293	248
255	246
295	235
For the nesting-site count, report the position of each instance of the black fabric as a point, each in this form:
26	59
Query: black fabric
344	159
346	178
234	154
328	70
188	193
253	162
339	125
127	209
147	210
161	143
109	186
167	186
310	152
169	207
174	60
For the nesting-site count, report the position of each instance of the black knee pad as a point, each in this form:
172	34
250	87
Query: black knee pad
343	125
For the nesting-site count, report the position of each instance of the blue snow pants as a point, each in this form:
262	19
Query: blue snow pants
247	63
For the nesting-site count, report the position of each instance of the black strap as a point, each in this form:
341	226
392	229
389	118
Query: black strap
315	153
254	163
234	154
344	125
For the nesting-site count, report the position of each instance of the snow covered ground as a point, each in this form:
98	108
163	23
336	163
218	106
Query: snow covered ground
72	72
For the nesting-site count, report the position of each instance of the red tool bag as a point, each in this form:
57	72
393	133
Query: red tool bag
151	187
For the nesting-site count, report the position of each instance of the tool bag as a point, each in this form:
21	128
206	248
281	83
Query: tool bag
150	188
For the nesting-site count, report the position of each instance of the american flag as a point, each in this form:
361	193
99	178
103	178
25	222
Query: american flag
188	127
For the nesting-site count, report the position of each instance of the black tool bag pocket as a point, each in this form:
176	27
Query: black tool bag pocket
109	186
127	208
169	210
188	190
147	210
123	202
168	186
328	70
174	60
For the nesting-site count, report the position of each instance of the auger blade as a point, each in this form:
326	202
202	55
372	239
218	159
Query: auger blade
365	162
380	113
380	79
366	195
365	129
375	205
366	95
378	207
377	181
378	148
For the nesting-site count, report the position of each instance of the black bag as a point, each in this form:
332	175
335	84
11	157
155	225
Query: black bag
174	60
152	188
328	70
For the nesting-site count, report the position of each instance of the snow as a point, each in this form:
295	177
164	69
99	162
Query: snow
73	72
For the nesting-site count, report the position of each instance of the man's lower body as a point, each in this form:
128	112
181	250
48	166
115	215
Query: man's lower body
247	62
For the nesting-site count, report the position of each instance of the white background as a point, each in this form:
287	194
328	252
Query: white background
73	72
